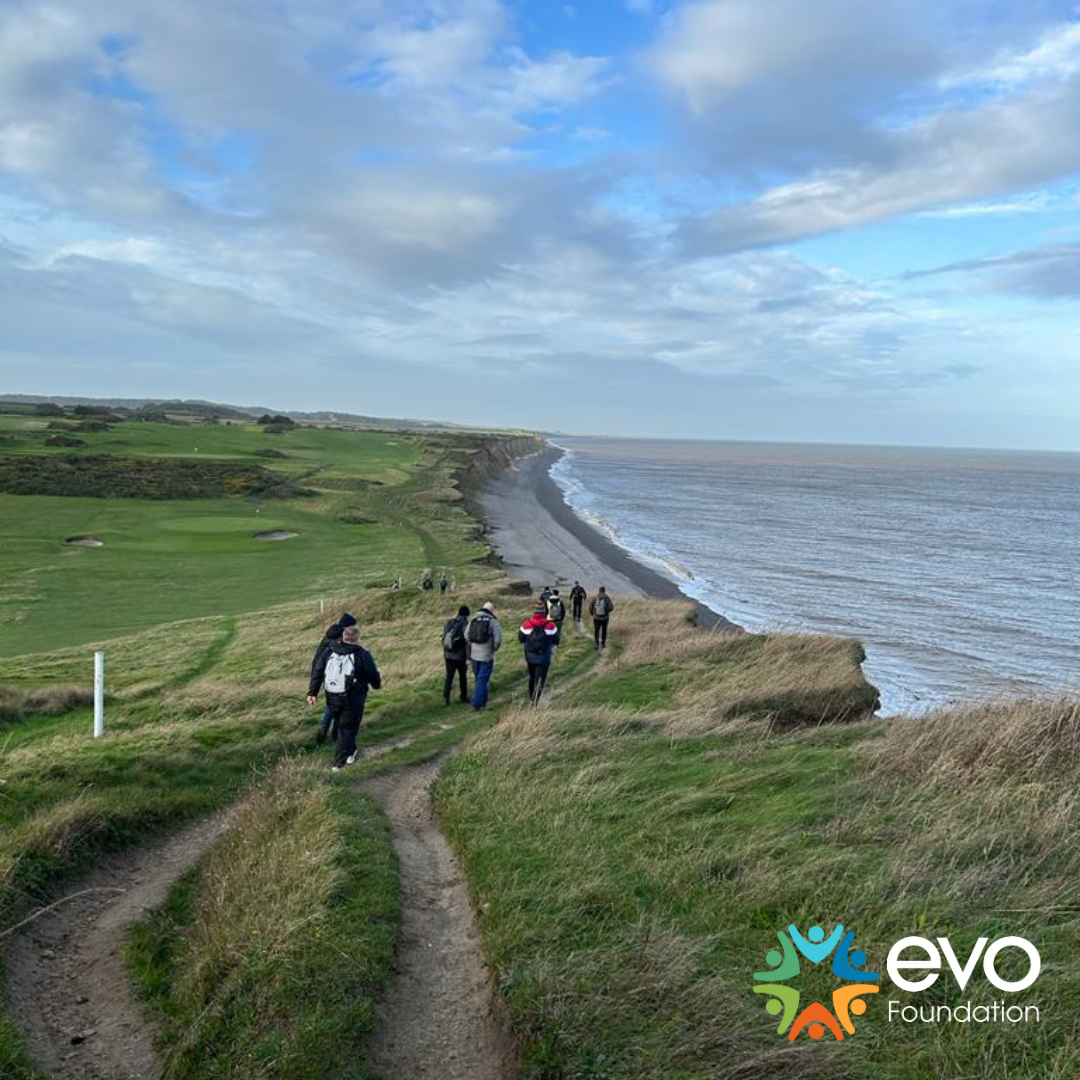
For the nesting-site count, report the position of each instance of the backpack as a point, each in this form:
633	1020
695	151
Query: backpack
537	645
480	631
453	635
600	607
340	672
557	610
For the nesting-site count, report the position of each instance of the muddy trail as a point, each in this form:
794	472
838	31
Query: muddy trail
438	1018
68	988
70	993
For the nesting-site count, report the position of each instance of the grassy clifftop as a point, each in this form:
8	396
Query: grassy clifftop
359	509
632	846
634	851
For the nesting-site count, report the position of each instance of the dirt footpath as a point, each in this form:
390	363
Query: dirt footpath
438	1019
68	987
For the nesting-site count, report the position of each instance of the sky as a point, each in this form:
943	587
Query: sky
736	219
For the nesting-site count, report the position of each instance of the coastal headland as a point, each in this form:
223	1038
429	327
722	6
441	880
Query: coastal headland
587	886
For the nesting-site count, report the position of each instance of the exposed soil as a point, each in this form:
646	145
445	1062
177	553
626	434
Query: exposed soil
274	534
439	1017
70	993
84	541
68	988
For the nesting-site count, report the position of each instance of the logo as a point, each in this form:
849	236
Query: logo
786	966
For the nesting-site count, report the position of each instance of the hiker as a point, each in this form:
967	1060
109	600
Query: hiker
444	583
556	609
427	584
600	609
545	594
485	639
577	598
540	636
456	654
333	633
346	671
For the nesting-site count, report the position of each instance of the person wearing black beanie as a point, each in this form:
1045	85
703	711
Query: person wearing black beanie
332	634
456	654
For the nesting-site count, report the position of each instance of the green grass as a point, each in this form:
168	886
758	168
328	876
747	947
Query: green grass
199	705
632	856
633	845
267	961
165	560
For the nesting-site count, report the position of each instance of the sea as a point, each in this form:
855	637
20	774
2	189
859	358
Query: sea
957	569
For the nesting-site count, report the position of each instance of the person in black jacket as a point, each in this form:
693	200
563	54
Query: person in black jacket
347	671
456	654
333	633
540	636
600	608
577	598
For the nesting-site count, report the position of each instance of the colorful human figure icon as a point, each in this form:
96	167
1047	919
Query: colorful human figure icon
815	1018
847	967
819	946
848	999
783	998
789	966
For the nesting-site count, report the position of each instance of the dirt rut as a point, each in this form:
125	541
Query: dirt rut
68	988
438	1018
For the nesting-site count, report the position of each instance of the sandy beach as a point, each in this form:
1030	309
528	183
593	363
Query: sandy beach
541	540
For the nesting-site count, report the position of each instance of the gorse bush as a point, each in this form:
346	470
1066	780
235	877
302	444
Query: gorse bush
105	476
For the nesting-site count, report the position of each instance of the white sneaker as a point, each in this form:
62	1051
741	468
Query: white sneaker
335	768
351	759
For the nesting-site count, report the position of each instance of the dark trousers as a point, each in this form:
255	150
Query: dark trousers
325	722
460	668
347	716
576	608
537	677
600	632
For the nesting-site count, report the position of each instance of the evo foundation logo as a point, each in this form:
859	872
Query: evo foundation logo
786	1000
780	982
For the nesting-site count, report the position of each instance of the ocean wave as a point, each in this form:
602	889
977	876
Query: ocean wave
581	501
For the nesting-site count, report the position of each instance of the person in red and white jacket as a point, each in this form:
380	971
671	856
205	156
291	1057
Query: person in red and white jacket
539	635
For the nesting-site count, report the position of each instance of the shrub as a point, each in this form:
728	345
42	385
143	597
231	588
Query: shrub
105	476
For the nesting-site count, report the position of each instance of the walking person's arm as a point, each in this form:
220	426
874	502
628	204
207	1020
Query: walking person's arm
371	671
318	671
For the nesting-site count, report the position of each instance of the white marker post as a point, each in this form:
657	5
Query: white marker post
322	607
99	694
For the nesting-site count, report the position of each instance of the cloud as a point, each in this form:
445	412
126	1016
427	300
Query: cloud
1051	272
450	190
1055	56
951	157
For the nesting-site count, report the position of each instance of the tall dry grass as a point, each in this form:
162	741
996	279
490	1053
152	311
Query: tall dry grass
976	743
17	703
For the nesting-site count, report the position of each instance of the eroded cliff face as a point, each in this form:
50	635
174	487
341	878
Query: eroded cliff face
481	458
489	456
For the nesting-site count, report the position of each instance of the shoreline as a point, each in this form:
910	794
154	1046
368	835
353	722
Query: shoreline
541	540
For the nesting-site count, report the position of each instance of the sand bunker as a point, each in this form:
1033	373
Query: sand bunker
274	534
84	541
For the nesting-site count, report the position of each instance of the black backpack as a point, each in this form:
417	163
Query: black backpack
480	631
453	635
537	645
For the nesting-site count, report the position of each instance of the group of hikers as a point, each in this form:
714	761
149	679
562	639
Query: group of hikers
345	671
